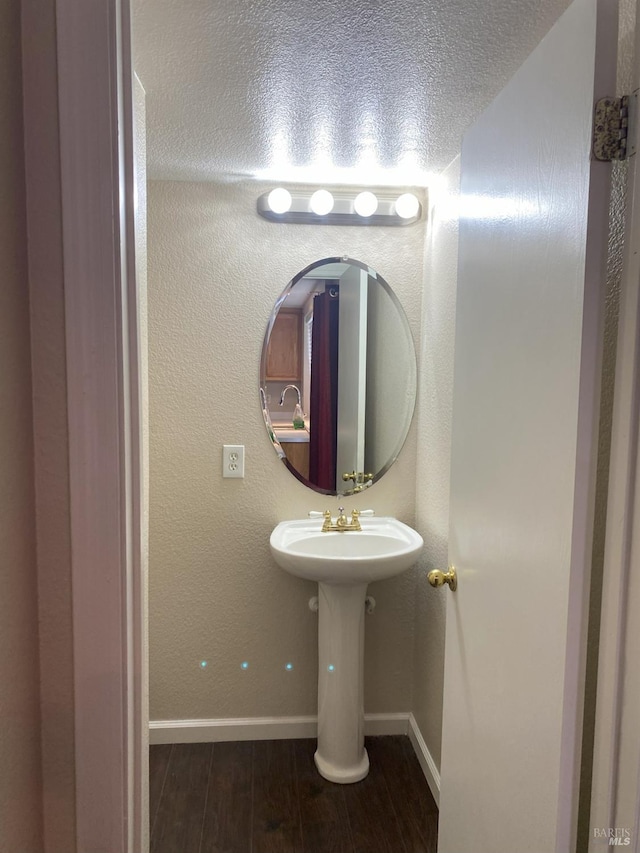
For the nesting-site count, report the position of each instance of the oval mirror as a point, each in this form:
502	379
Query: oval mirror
338	376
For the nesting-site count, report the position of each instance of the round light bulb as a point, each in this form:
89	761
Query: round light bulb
365	204
407	205
279	200
321	202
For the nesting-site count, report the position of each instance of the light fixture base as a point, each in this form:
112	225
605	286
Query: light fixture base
343	212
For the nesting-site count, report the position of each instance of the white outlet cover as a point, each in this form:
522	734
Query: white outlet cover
233	460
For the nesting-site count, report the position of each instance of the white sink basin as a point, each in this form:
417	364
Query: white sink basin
343	564
383	548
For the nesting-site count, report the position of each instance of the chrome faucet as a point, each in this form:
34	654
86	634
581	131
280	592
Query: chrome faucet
286	388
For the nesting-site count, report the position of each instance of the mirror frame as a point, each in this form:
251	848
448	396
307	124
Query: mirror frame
344	259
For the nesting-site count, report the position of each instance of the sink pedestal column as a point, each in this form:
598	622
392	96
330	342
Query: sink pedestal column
341	756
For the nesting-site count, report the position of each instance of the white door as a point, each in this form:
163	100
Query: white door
352	373
533	232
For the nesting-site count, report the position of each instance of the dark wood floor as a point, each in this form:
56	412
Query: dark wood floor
267	797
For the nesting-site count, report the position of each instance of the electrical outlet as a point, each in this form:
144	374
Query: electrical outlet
233	460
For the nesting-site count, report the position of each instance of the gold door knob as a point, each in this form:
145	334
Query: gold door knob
437	578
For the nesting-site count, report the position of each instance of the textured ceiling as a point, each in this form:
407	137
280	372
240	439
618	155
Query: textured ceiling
343	91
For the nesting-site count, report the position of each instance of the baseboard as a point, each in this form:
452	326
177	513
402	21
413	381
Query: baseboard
284	728
431	773
262	728
386	724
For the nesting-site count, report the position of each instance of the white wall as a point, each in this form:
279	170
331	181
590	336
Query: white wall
435	397
20	774
215	270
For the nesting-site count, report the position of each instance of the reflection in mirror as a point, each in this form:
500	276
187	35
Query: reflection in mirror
338	376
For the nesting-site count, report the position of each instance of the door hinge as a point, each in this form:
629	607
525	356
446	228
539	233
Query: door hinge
611	128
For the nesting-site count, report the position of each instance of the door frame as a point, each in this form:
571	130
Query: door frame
616	752
94	73
89	55
95	89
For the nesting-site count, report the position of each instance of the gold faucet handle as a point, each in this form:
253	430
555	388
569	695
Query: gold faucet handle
349	476
341	523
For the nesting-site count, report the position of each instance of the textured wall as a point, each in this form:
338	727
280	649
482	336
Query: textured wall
434	442
238	87
20	776
215	270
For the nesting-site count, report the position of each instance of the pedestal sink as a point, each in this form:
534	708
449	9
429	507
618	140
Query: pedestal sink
343	564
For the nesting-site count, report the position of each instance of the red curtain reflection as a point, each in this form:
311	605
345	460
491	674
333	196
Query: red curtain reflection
324	390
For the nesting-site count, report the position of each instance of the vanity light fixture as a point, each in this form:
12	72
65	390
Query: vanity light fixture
365	203
407	206
321	202
340	207
279	200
